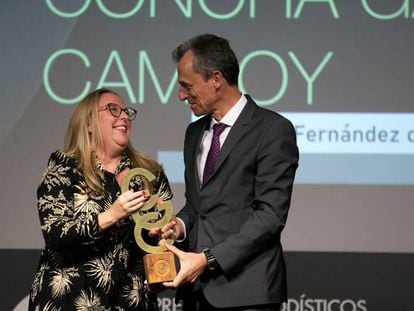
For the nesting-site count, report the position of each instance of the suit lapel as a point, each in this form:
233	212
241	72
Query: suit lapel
237	131
194	144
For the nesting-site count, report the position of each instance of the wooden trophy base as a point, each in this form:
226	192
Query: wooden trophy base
160	267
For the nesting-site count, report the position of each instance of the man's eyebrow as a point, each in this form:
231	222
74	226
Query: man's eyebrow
184	84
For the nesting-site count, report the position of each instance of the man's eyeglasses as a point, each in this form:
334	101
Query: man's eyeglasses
116	111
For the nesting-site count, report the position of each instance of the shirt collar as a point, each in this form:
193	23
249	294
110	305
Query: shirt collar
231	116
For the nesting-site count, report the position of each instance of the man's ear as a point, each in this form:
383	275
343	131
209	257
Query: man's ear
217	78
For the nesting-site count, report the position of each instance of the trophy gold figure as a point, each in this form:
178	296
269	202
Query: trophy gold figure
159	263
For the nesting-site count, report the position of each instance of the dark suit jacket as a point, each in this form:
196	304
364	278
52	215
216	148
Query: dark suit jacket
240	212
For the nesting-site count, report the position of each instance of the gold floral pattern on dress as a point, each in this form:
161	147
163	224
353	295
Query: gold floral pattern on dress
89	302
60	282
84	208
38	279
132	292
54	175
48	307
82	263
101	270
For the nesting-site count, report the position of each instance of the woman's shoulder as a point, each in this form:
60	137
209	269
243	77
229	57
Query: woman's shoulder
59	157
61	171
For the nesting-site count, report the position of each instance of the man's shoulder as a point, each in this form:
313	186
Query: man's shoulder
271	121
260	110
267	114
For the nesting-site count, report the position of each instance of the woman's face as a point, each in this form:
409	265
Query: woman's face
115	130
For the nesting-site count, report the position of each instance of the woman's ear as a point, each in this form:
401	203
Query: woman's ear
89	127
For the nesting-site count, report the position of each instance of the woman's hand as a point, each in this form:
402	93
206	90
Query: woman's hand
126	204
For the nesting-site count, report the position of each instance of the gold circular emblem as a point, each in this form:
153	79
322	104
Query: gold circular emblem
162	267
155	213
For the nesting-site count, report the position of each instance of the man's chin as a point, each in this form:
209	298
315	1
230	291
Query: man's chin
198	112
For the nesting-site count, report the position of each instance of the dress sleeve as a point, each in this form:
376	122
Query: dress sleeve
67	217
163	186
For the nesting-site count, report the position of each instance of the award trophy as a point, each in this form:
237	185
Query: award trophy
159	263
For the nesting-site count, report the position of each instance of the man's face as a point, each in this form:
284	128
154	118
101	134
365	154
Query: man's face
200	94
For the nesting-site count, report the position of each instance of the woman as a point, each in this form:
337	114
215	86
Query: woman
91	260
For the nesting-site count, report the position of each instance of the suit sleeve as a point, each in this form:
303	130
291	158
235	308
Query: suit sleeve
188	213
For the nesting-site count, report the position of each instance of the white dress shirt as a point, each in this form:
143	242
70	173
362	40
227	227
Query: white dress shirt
229	119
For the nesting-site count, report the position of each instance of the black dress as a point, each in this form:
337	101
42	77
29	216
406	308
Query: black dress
82	267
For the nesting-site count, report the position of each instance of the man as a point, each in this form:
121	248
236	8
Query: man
233	218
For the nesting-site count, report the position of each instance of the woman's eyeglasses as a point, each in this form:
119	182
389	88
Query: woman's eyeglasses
116	111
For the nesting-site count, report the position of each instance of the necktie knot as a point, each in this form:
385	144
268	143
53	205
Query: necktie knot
218	128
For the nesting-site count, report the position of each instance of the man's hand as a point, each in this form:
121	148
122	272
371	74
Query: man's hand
172	230
192	265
